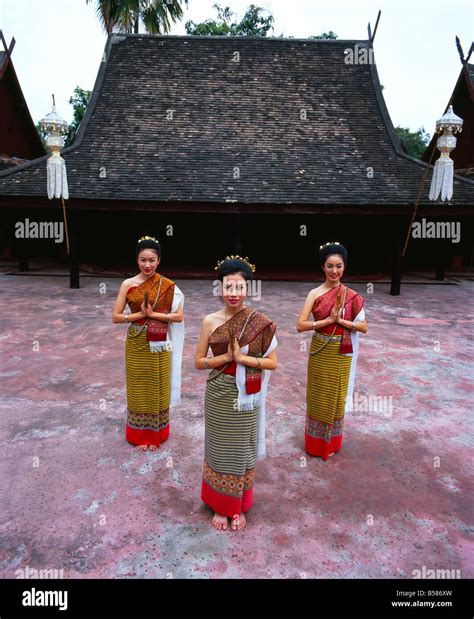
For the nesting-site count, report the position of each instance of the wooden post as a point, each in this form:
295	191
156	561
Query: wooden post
74	281
23	262
313	228
396	279
440	262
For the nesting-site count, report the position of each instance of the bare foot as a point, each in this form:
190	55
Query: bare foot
220	522
142	447
238	522
332	453
152	447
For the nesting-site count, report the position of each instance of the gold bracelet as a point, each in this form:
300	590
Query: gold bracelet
258	364
168	317
125	317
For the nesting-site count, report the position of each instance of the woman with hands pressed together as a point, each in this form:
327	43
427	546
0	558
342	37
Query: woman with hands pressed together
335	314
154	347
243	344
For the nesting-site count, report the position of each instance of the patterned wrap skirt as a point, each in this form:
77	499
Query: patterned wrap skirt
230	448
326	392
148	377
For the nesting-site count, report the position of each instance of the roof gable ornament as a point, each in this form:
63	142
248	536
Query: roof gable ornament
369	30
8	53
464	60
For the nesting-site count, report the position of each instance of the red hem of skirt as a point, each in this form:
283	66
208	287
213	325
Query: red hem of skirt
146	437
226	505
320	447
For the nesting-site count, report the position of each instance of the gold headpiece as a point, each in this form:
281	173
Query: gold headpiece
246	260
148	238
330	243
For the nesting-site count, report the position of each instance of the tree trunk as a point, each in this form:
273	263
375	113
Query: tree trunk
136	21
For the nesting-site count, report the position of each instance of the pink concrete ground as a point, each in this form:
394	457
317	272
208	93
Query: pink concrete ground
77	497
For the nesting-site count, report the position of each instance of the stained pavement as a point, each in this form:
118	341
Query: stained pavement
76	497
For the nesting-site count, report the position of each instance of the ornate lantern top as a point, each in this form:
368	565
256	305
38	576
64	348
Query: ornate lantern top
55	127
449	121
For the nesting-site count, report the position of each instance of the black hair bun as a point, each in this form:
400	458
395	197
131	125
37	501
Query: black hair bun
148	243
234	265
332	248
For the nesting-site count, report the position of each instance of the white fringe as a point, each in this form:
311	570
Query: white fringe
442	181
57	178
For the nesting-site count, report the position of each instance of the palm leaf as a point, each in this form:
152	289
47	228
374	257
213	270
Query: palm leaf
157	16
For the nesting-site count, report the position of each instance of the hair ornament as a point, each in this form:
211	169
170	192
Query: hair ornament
246	260
148	238
330	243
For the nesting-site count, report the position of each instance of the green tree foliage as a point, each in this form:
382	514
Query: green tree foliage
79	102
42	134
127	15
253	23
325	35
414	143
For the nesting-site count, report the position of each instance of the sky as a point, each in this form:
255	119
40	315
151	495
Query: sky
59	45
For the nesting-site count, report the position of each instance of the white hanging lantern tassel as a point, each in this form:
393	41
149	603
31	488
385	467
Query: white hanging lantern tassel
57	177
55	128
442	181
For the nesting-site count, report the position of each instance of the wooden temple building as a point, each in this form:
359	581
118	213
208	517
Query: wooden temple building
19	139
267	147
462	100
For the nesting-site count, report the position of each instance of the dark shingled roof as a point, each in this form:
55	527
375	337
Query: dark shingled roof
228	115
470	68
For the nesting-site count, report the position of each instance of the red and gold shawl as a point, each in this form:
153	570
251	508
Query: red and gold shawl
160	292
251	328
353	304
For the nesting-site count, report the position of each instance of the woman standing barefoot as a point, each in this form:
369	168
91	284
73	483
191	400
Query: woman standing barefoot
338	317
154	347
243	343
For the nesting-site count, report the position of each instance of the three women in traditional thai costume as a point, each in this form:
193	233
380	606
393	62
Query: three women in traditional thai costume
242	341
243	345
154	347
337	319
